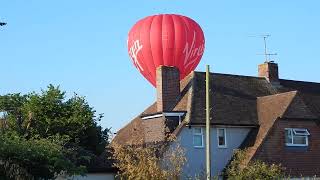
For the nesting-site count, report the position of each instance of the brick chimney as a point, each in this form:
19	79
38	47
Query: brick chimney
168	87
269	70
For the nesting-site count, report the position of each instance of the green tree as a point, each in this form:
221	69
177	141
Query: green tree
50	113
51	117
33	158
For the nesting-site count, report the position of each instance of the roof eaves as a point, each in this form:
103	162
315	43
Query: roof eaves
168	113
165	114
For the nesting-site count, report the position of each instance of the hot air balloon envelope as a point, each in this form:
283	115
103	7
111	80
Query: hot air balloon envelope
165	40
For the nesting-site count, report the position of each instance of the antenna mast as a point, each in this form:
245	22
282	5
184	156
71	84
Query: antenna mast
266	54
265	47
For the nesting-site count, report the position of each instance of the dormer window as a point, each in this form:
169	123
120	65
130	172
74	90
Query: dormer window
296	137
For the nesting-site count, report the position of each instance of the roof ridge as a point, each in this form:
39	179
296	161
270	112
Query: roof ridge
237	75
257	77
311	82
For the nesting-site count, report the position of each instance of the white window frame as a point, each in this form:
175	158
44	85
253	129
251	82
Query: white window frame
306	133
225	138
198	134
294	133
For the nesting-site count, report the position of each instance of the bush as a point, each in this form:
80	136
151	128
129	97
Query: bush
157	161
32	159
255	170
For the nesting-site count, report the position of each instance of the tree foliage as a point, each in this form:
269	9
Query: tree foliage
48	113
50	132
156	161
33	158
255	170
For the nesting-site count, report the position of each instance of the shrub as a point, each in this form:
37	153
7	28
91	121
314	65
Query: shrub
32	159
156	161
255	170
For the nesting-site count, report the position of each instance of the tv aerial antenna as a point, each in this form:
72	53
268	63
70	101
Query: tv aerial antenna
266	53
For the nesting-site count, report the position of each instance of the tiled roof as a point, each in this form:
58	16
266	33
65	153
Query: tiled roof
309	91
272	108
133	132
298	109
236	100
234	103
233	99
302	86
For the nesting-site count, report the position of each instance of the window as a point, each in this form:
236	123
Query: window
198	137
3	114
296	137
221	134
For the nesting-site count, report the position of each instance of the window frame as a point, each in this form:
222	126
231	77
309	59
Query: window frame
198	134
306	132
293	133
225	138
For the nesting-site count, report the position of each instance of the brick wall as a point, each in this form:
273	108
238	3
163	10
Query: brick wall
298	161
168	88
154	129
269	70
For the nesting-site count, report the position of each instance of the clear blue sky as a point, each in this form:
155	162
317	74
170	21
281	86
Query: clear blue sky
81	45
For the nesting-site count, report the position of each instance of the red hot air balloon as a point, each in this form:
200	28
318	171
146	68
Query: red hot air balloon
168	40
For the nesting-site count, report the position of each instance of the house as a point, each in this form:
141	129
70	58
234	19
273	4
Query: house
277	120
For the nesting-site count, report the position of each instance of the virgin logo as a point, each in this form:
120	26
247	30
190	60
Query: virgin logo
133	52
192	52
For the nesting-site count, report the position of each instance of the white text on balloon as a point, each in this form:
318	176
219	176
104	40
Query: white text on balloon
133	52
193	51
